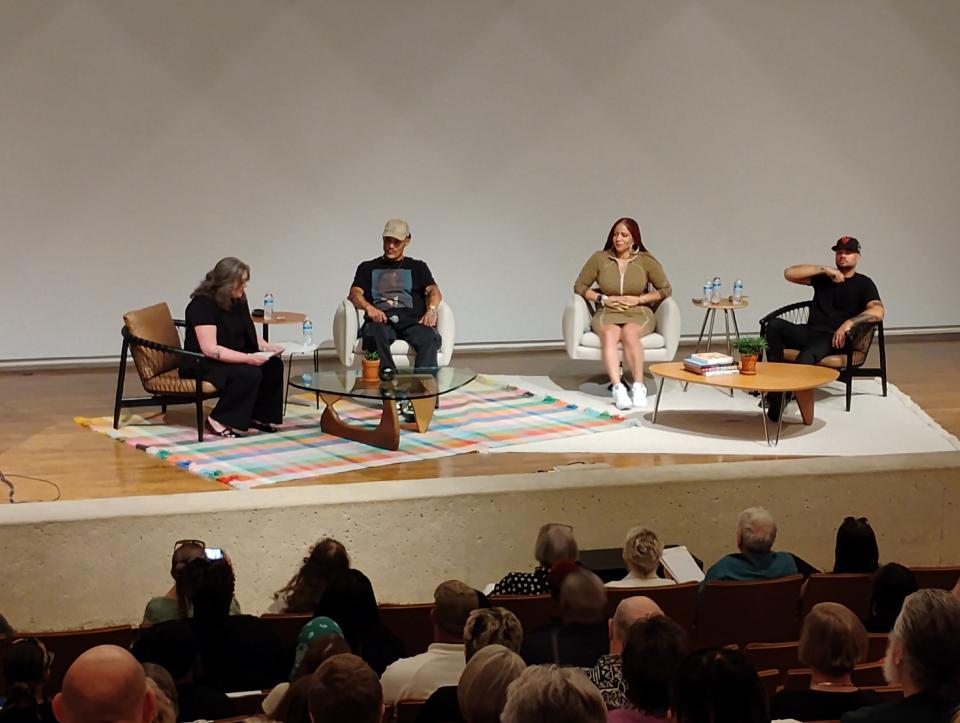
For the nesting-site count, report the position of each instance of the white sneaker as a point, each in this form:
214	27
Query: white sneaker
621	399
639	394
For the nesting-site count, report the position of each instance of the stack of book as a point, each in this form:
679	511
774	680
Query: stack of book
710	364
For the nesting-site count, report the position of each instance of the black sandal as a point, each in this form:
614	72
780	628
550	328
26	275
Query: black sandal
226	432
264	427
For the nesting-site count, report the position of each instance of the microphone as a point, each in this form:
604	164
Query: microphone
393	318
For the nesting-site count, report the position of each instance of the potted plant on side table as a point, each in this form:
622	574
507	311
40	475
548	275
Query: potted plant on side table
371	367
750	348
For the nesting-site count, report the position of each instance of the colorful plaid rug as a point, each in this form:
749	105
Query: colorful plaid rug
482	415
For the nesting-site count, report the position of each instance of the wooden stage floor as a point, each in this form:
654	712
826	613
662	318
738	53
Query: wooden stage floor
39	439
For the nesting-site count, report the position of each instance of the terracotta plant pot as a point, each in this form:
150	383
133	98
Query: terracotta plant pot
748	363
371	370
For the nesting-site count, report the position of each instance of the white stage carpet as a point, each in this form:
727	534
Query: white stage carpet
706	420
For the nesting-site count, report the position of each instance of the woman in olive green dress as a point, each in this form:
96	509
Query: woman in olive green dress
630	282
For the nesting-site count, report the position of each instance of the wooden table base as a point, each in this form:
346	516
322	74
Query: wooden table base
386	434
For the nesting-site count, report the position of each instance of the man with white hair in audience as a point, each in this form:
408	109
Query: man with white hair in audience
756	533
923	656
607	674
105	684
549	694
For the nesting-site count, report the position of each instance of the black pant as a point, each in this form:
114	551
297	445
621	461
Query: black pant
246	392
424	339
812	345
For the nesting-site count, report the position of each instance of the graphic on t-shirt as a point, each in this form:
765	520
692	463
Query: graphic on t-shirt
392	289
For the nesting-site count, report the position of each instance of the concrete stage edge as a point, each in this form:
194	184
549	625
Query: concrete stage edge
97	562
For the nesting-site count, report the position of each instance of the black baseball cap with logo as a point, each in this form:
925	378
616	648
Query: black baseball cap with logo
848	244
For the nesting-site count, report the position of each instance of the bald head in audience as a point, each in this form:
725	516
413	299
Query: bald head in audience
105	685
631	609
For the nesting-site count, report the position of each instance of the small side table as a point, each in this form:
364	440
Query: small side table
279	317
729	308
294	349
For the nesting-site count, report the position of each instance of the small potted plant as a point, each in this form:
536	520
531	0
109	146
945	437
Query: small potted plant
750	347
371	366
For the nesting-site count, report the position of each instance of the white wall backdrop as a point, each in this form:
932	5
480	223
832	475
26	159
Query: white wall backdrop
140	141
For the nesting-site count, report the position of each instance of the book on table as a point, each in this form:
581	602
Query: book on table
713	371
708	359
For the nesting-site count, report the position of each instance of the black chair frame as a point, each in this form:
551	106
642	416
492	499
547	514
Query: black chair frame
858	337
161	400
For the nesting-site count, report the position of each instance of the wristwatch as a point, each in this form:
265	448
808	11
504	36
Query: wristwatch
432	307
602	299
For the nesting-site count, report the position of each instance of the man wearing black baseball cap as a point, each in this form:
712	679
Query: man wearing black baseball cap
841	298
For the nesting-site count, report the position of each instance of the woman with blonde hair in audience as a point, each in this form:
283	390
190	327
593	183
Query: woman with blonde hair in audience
482	691
550	694
641	554
832	642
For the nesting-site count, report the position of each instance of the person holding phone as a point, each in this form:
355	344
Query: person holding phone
246	370
175	604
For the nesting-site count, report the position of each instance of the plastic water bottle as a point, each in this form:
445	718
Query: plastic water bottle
707	291
715	292
307	333
268	306
737	291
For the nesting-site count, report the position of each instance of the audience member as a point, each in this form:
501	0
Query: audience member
442	664
25	671
923	656
717	685
6	631
303	592
236	652
554	542
756	533
550	694
294	705
318	640
345	690
607	674
161	677
654	650
165	712
175	604
105	683
485	626
349	600
832	642
641	554
856	550
891	585
581	637
482	691
175	648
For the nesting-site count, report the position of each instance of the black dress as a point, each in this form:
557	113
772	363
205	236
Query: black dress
246	392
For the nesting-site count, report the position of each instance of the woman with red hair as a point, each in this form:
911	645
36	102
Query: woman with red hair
630	282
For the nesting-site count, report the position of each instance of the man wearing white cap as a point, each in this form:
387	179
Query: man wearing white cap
400	300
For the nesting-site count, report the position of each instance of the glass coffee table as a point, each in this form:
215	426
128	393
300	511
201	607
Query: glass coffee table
421	387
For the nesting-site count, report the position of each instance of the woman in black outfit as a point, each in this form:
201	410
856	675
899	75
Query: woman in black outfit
245	369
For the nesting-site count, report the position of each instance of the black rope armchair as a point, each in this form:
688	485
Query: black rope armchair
848	361
150	335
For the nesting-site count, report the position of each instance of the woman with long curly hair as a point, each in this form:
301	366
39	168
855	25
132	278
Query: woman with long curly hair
244	368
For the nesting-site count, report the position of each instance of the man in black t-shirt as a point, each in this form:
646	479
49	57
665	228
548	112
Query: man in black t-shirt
841	299
400	300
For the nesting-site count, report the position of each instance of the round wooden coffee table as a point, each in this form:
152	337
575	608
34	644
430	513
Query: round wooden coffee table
800	379
279	317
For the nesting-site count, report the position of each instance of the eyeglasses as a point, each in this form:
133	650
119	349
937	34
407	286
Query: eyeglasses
188	543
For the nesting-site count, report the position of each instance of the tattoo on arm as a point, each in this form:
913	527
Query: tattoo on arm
861	317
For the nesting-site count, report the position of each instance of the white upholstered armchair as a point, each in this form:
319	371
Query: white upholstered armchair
582	343
346	327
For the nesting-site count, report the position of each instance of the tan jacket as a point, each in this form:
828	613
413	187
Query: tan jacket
602	269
